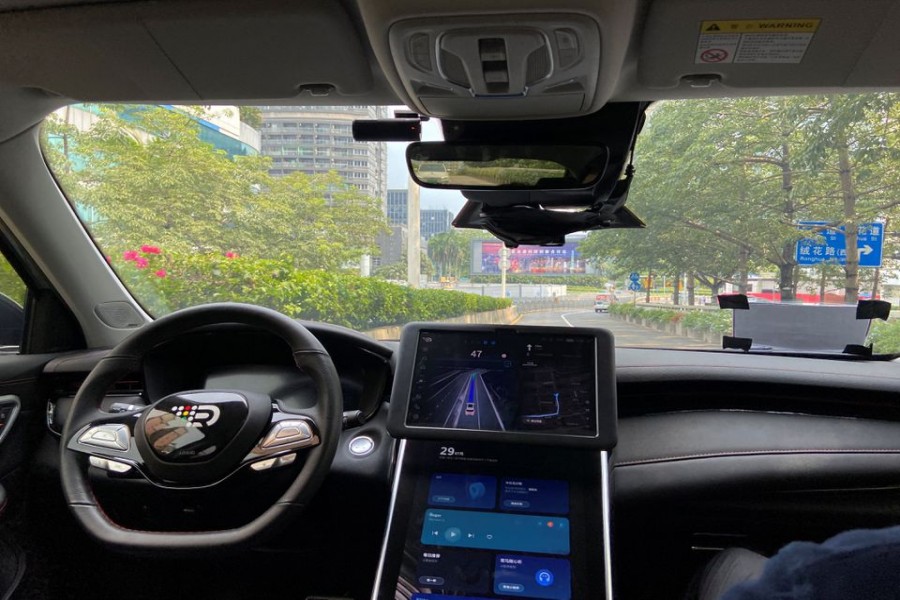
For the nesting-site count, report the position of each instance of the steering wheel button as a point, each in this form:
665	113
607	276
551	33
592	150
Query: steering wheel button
285	432
100	463
263	464
286	459
115	437
117	467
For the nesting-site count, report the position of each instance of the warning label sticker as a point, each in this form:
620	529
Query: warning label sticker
758	41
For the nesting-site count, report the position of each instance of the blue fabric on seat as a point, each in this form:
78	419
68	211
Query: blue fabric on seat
862	564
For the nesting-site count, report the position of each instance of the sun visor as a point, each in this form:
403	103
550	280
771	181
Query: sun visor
767	44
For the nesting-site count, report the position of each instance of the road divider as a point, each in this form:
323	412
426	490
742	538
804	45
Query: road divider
705	325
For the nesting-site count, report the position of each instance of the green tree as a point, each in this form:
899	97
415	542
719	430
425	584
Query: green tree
851	140
151	180
448	251
723	184
252	116
398	271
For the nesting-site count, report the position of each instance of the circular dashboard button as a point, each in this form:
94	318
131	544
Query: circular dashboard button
544	577
361	445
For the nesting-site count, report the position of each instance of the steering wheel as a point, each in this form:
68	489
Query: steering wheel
199	438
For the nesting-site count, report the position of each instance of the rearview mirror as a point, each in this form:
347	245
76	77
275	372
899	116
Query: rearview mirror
455	166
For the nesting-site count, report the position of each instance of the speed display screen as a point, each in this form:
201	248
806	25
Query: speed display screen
504	381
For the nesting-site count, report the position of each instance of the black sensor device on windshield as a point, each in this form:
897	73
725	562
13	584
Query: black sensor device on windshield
538	385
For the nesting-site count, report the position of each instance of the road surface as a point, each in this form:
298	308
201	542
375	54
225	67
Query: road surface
626	334
461	400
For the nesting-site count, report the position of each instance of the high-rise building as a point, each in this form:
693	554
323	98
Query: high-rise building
391	246
397	207
318	139
435	221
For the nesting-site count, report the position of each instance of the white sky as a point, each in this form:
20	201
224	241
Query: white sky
398	174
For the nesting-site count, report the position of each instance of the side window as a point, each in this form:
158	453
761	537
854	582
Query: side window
13	293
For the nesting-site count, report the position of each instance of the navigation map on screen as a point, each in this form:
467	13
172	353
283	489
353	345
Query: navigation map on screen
504	381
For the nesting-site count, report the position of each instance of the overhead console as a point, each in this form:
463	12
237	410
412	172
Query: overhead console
456	66
465	60
501	487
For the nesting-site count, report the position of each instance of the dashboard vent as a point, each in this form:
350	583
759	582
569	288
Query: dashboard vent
127	392
127	386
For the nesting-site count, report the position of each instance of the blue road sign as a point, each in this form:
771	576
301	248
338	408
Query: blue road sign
831	245
635	276
635	286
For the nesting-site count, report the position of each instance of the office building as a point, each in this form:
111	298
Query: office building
319	139
435	221
391	246
397	206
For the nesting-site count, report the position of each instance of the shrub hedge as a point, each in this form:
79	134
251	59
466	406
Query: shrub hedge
164	282
885	336
716	321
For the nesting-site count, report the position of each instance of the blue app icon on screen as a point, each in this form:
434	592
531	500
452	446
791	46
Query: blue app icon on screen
533	577
462	491
476	490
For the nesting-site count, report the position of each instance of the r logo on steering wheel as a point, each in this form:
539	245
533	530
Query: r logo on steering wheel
202	415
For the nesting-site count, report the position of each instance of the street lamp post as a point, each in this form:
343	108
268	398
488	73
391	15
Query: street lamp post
504	266
414	235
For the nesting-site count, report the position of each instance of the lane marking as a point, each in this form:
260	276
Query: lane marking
494	406
459	402
580	312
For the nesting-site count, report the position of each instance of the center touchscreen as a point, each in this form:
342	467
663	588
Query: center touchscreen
504	381
484	536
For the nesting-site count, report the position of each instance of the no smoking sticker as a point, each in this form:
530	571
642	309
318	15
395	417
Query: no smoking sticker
757	41
714	55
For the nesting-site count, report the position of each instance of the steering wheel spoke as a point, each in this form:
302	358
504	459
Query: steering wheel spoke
108	441
287	434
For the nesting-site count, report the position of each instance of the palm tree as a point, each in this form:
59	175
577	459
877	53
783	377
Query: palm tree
448	251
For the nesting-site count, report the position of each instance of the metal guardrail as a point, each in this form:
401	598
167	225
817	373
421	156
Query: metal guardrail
679	307
526	305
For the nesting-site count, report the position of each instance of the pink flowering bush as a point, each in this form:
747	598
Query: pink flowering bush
165	281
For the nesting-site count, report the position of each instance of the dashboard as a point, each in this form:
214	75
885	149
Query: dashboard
714	449
232	357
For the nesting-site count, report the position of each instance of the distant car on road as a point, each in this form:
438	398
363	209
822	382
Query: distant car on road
601	306
434	173
470	409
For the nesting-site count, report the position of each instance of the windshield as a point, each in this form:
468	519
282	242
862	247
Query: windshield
786	200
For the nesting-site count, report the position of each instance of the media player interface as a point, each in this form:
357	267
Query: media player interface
487	537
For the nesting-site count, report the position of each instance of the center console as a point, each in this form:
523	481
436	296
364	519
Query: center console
501	484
